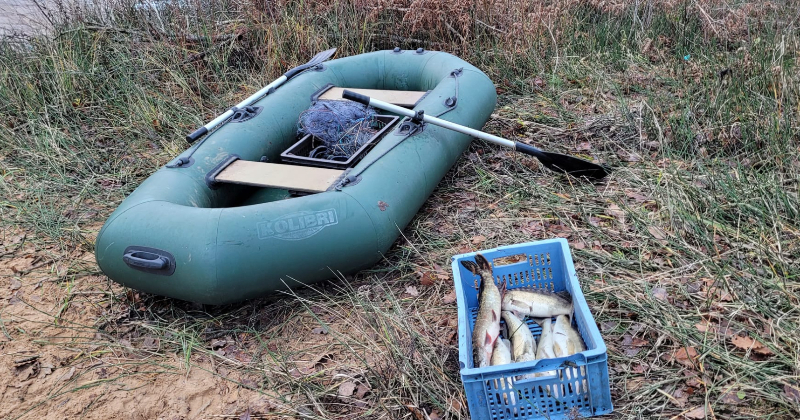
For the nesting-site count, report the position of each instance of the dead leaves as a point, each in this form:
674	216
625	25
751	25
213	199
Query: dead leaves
632	345
478	239
412	291
346	389
450	297
696	413
749	344
686	356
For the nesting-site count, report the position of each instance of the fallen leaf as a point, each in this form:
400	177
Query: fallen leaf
632	345
660	293
67	376
703	326
681	397
427	279
149	343
478	239
15	284
747	343
657	233
382	205
696	414
733	398
45	369
346	389
685	356
640	368
320	330
435	415
361	391
614	211
455	404
791	393
450	297
608	326
218	344
246	415
415	411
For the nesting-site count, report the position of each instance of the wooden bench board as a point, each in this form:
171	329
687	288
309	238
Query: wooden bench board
275	175
404	98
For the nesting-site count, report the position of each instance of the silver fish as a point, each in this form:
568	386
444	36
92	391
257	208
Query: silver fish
538	303
523	345
501	354
567	342
545	349
487	321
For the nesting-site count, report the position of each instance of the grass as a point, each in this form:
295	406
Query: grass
688	254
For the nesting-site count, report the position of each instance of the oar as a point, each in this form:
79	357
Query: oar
317	59
554	161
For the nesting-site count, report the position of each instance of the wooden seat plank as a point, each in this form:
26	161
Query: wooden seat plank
404	98
290	177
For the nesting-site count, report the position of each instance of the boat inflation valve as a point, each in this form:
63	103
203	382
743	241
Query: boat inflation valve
245	113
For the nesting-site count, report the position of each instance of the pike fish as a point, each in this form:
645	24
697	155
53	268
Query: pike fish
487	322
538	303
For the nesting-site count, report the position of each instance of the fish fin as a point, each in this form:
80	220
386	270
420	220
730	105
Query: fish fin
483	263
502	288
494	316
539	321
471	266
488	340
519	303
564	294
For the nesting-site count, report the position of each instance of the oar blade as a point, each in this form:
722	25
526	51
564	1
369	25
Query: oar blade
573	166
321	57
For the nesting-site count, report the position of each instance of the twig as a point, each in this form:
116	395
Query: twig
453	30
490	26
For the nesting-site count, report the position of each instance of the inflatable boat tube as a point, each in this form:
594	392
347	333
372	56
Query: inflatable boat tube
179	234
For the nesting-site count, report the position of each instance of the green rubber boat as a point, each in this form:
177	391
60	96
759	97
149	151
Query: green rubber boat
187	233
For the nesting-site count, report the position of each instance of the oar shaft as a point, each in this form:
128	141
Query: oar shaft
347	94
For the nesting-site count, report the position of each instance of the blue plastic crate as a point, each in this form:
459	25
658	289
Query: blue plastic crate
581	380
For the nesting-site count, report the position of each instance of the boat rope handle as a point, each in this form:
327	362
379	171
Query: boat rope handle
451	103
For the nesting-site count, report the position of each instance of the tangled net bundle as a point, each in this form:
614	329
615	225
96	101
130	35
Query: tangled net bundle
341	127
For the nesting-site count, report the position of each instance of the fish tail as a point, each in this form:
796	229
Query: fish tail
483	263
471	266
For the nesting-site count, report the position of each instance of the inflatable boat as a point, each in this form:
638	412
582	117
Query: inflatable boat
229	219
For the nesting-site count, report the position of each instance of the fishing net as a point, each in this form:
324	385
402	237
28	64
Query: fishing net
340	128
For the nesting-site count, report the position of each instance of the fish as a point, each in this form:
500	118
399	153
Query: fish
538	303
502	356
566	342
561	344
487	321
523	345
501	353
545	349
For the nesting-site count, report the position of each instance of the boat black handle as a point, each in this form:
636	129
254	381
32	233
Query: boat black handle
146	260
349	94
191	138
